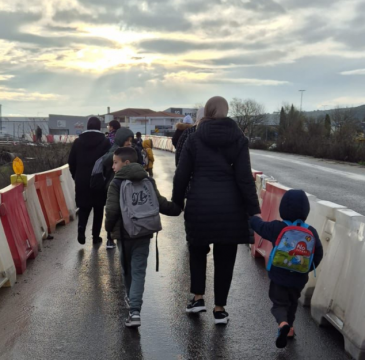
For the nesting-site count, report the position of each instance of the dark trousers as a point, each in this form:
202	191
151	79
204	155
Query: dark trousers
285	302
84	213
224	260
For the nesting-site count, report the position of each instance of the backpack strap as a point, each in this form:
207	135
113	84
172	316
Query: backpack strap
297	223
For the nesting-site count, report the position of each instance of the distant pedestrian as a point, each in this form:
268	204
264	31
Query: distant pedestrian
135	250
286	282
139	140
216	162
147	148
113	126
38	134
180	128
87	148
186	133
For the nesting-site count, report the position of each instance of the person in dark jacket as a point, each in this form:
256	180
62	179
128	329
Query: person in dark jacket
89	147
186	133
286	286
216	161
180	128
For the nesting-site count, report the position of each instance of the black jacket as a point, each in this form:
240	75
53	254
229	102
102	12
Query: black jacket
88	148
180	128
181	142
293	206
215	160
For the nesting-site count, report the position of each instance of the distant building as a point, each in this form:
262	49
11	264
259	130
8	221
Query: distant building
145	121
183	111
19	126
69	124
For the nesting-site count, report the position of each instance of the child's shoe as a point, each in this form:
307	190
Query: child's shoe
110	244
133	320
220	317
196	306
282	339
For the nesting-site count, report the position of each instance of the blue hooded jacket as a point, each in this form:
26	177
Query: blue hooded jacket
294	205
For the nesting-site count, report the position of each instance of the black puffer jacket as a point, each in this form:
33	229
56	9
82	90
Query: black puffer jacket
222	195
89	147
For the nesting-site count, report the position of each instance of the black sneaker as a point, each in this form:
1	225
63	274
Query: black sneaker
110	244
97	240
133	320
196	306
220	317
81	238
282	340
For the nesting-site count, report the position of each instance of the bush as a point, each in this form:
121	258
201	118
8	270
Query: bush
259	145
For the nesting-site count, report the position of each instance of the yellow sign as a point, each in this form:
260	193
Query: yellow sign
157	130
18	166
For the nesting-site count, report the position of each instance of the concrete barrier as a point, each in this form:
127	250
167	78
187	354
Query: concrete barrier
68	188
7	268
52	199
339	296
35	211
17	226
323	218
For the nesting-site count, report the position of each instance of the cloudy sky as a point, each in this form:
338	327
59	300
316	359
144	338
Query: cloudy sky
80	56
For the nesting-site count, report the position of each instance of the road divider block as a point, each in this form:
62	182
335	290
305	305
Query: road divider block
68	188
339	296
17	226
7	267
322	217
35	211
52	199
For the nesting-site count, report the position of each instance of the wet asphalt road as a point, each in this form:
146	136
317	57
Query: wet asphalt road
341	183
69	305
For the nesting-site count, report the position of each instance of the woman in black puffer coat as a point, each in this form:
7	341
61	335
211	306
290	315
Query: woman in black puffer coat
216	162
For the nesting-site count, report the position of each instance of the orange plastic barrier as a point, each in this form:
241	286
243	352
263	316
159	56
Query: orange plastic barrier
17	226
50	194
269	212
255	172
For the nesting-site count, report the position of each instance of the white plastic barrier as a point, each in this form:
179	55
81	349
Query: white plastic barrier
68	188
35	211
322	217
339	296
7	268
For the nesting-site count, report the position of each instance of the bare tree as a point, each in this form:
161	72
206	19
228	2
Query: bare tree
346	123
248	113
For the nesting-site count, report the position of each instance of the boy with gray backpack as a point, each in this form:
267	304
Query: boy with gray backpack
132	216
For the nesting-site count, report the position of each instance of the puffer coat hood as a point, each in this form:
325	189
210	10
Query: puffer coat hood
122	135
294	205
132	172
147	144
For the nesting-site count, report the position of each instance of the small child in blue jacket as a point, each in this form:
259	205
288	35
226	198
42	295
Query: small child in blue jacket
286	286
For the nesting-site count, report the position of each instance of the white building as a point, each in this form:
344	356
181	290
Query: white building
183	111
146	121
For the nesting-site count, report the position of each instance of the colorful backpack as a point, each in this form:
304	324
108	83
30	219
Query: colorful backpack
294	248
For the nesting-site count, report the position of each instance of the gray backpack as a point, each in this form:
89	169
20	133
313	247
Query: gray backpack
97	179
140	208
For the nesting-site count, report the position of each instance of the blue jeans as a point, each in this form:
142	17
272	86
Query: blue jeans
136	255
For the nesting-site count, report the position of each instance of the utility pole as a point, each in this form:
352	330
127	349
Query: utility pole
301	99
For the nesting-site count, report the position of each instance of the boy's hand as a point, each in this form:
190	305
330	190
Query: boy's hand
258	215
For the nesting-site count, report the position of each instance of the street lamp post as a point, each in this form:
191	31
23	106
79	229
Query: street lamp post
301	99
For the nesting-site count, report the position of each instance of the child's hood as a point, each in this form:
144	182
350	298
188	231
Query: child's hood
147	144
132	172
122	135
294	205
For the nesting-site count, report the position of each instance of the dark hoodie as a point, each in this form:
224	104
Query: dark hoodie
216	162
113	219
294	206
89	147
